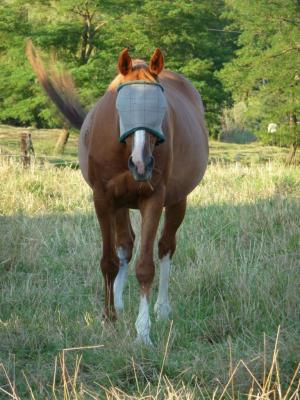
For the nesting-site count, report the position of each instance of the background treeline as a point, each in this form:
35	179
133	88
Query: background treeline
242	55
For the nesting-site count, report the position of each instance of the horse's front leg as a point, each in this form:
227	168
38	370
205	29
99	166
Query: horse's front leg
109	261
174	216
124	244
151	209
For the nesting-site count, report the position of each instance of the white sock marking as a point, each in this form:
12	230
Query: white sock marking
120	279
138	147
162	307
143	323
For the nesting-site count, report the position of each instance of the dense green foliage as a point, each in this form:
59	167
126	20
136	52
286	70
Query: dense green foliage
233	51
87	36
265	71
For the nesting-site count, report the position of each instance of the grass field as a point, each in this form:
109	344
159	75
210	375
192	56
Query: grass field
235	280
44	141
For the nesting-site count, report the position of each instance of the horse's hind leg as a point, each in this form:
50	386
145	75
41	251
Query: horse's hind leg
124	245
166	247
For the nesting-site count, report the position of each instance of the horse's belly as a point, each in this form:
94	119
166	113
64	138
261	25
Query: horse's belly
190	159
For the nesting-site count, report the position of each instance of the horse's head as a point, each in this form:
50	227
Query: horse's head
141	106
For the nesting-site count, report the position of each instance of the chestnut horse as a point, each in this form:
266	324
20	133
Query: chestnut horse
141	173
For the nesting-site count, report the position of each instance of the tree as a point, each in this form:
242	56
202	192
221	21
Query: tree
265	71
21	101
191	35
69	30
86	36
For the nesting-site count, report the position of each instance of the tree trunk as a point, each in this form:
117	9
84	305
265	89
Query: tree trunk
294	145
84	43
62	141
87	38
291	156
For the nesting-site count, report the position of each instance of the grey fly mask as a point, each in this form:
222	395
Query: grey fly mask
141	105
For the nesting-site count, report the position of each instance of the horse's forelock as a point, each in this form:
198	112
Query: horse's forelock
138	64
140	71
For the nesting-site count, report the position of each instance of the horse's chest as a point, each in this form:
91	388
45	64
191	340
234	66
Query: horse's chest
123	191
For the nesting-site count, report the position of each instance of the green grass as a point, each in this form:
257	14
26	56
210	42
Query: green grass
248	154
44	141
235	279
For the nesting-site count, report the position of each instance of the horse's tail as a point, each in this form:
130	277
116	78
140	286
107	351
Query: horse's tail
59	87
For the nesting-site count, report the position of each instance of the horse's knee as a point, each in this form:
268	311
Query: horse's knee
166	245
109	267
124	250
145	272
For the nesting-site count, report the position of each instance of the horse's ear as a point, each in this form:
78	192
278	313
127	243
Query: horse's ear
125	62
156	62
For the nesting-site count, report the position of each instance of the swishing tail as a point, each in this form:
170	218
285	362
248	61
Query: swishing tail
59	87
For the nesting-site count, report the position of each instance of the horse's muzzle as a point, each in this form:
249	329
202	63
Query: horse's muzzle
146	176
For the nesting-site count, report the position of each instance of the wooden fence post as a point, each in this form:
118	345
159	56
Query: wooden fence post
26	148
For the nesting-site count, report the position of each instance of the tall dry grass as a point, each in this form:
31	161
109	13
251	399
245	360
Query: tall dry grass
235	279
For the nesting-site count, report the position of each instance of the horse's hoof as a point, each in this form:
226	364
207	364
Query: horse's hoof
108	318
119	308
144	341
162	311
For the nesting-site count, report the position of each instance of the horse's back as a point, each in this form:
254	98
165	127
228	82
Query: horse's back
189	133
